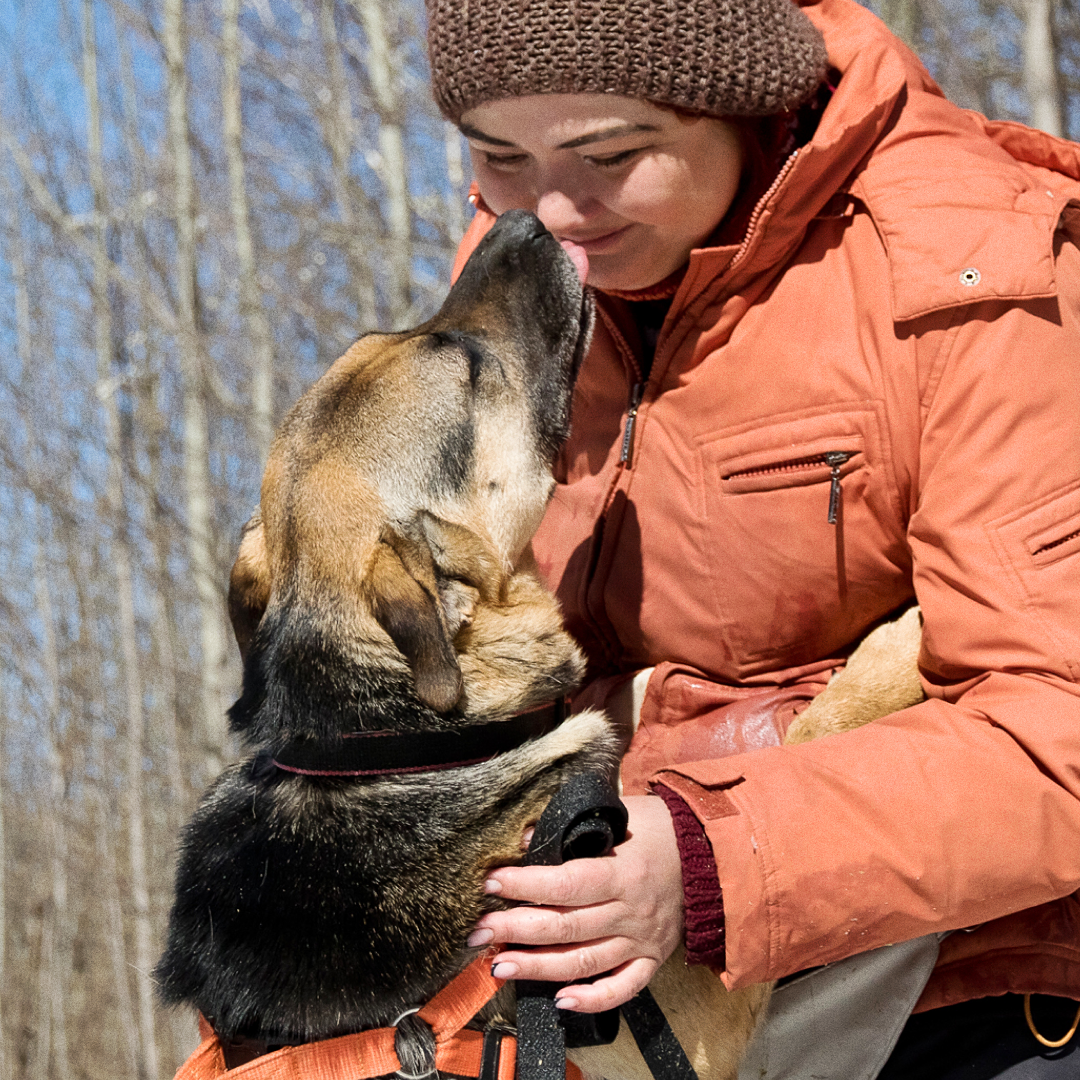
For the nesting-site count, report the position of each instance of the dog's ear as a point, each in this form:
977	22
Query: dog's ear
459	553
404	597
249	584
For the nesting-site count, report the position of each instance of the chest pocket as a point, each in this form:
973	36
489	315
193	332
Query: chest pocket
805	532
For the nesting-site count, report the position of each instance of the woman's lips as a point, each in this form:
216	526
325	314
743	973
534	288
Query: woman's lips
602	243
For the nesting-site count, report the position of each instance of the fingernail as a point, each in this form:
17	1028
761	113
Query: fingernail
504	971
492	886
566	1003
479	937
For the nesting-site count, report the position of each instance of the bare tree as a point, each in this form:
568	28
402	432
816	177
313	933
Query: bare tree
122	562
5	1058
196	437
1041	67
392	166
338	131
251	305
56	937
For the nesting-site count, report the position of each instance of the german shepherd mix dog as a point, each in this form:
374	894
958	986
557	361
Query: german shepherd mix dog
386	585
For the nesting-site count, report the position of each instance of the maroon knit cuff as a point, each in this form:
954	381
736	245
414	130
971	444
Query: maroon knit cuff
704	901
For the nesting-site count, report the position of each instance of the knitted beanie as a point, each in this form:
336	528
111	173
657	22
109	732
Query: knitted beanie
721	57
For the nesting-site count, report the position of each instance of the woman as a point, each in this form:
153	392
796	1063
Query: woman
835	370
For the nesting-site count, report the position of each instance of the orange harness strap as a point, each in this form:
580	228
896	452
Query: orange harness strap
369	1054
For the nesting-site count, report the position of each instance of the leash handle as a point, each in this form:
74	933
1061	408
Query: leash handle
584	819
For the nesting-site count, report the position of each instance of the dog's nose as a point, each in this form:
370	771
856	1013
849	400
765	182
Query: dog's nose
521	225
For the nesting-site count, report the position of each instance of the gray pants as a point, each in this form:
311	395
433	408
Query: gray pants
841	1021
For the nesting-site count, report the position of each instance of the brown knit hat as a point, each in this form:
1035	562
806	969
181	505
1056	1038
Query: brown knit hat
722	57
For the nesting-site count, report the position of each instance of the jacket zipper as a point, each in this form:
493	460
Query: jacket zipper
597	623
835	459
631	420
759	209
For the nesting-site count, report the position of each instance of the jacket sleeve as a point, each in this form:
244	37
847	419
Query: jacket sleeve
965	808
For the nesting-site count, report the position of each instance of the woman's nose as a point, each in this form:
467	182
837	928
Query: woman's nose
562	211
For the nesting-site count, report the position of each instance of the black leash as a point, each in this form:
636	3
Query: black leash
586	819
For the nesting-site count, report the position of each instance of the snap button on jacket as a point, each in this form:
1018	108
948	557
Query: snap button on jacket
895	345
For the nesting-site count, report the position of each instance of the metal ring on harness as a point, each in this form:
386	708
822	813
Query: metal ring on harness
399	1072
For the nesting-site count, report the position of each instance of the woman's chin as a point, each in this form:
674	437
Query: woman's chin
623	278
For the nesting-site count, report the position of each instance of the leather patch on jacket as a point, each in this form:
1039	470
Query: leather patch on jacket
707	803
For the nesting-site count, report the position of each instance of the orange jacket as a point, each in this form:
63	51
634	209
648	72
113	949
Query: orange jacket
908	294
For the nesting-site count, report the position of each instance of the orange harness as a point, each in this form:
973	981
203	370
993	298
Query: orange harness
369	1054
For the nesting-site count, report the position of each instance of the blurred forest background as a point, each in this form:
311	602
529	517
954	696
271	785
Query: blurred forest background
204	202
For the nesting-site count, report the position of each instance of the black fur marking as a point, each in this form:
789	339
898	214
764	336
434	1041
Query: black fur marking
456	452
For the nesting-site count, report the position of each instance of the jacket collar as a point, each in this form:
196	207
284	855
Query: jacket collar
998	215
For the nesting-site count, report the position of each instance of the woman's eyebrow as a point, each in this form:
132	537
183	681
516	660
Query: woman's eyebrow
607	133
471	132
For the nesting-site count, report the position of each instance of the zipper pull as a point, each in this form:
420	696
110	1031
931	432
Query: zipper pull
835	459
631	419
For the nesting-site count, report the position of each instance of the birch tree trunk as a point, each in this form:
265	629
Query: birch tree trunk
393	169
148	422
903	17
1040	67
338	135
196	439
128	1034
39	1064
251	304
5	1064
122	562
51	1027
55	959
455	173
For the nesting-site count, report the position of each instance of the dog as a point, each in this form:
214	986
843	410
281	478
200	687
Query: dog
386	584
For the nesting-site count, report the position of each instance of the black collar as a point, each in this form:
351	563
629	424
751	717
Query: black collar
382	753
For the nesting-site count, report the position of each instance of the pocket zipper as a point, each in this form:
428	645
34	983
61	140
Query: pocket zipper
1056	543
835	459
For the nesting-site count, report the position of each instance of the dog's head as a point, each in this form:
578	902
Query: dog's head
401	494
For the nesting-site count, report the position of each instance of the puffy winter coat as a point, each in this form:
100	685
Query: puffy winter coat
908	298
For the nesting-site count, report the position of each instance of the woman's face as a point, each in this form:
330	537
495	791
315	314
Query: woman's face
637	186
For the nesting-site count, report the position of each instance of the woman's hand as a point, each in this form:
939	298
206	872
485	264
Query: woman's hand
622	913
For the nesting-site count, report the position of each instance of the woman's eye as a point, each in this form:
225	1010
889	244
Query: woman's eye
504	161
614	160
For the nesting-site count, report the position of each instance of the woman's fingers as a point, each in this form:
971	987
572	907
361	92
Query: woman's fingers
563	963
620	914
586	881
554	926
615	989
